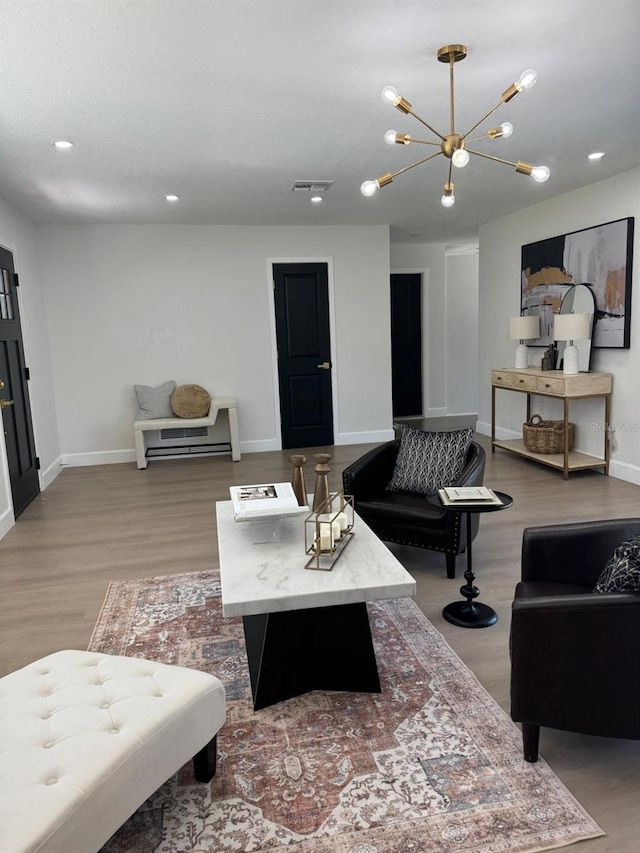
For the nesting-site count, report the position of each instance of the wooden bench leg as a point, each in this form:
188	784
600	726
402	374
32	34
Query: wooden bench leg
138	441
234	435
204	762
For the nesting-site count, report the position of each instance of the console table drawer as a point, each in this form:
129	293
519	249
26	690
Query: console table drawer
499	377
550	385
523	382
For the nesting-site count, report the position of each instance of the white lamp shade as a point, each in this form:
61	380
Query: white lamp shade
524	328
571	327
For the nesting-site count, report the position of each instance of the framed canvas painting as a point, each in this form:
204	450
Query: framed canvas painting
600	257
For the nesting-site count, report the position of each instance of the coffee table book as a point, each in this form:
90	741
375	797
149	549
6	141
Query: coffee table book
453	496
264	500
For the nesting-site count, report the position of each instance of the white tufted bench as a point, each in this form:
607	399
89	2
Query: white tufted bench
87	738
217	403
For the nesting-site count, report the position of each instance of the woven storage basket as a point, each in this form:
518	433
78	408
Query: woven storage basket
545	436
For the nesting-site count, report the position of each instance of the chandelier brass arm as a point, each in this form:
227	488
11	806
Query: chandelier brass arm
453	145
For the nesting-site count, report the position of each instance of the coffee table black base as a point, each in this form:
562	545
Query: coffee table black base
320	648
467	614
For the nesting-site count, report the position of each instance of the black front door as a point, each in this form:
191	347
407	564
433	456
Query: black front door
301	293
14	393
406	344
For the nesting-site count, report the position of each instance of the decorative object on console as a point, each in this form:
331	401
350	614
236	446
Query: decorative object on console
597	259
154	402
523	328
545	436
321	491
453	145
297	478
190	401
428	461
571	327
328	531
550	357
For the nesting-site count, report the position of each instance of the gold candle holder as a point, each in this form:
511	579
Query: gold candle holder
328	530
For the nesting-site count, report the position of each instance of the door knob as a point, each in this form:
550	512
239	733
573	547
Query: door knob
5	403
326	365
1	384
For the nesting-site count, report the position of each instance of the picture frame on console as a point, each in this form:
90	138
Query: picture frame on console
600	257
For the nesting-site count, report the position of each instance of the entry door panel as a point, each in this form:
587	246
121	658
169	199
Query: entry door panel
301	294
14	396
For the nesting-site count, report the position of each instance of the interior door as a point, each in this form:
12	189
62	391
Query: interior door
14	393
301	293
406	344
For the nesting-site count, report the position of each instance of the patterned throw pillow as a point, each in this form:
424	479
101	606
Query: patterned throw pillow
622	572
155	402
428	461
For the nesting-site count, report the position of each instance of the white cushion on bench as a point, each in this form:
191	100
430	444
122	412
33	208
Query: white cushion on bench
88	737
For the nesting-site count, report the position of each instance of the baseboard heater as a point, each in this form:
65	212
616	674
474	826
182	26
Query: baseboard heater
186	441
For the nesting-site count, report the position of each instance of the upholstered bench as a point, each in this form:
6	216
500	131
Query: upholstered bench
88	737
217	403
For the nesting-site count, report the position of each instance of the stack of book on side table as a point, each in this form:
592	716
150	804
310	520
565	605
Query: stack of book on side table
478	495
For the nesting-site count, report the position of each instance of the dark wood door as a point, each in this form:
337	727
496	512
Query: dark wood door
14	393
406	344
301	293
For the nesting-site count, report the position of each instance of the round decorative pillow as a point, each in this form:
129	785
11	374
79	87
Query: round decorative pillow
190	401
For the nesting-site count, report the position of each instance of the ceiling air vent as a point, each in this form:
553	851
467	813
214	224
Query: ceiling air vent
311	186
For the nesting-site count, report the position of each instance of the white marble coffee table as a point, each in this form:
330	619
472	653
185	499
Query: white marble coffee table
305	629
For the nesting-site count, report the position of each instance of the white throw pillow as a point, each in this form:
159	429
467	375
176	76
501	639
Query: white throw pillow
155	402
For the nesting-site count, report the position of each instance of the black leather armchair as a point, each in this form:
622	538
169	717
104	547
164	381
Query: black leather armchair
575	654
408	519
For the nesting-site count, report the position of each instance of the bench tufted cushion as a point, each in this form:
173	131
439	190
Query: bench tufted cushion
87	738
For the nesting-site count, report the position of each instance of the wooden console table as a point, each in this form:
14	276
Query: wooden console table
563	386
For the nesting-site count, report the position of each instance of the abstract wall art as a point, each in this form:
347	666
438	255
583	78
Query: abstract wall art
602	258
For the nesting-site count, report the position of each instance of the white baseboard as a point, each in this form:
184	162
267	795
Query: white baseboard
100	457
7	520
624	471
436	413
48	475
261	445
372	437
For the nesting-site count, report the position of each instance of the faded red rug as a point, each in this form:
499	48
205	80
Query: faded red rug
430	764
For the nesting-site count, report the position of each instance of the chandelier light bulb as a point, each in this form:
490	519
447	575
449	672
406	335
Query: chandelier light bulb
448	200
540	174
390	137
389	94
369	187
460	158
507	129
527	79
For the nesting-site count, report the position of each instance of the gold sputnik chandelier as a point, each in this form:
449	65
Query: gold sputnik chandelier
454	145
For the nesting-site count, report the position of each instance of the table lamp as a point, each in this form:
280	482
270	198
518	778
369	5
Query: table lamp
525	327
571	327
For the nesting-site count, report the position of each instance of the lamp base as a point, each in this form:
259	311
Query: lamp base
522	356
570	359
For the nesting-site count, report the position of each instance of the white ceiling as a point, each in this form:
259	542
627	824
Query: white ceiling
228	102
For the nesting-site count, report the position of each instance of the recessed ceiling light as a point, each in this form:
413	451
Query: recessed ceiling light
597	155
172	197
316	199
63	143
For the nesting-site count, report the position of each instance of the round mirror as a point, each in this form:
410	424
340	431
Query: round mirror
579	299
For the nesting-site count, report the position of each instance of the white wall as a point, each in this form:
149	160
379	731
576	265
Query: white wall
461	346
144	304
18	235
500	247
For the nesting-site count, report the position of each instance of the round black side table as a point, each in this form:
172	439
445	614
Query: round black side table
470	613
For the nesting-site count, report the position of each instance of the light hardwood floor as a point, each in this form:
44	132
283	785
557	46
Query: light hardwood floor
97	524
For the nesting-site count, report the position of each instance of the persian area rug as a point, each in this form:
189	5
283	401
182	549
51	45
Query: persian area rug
430	764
